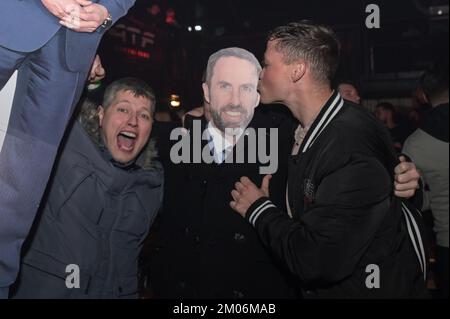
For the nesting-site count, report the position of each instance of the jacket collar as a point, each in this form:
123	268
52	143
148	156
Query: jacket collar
326	115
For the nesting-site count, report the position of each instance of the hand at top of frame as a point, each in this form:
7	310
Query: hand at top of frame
63	8
88	18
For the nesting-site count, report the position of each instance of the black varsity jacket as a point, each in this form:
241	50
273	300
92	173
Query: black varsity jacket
349	236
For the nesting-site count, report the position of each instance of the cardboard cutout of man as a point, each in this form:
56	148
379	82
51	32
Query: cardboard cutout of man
206	251
52	44
231	92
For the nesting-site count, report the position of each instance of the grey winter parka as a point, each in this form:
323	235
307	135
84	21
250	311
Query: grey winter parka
94	219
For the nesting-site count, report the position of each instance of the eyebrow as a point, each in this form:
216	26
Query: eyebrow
145	109
122	101
128	102
249	84
245	84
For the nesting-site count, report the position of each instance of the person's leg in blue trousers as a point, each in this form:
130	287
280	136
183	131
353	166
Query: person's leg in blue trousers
44	100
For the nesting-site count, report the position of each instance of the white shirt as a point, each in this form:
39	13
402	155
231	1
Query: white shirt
220	144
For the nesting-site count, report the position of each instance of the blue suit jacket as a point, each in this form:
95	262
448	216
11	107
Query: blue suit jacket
26	25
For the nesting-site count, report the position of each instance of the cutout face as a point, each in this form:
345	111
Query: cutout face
232	93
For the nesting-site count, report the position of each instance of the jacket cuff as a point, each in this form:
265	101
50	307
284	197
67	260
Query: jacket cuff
257	209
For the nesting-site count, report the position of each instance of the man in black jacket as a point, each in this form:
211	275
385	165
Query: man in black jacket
345	234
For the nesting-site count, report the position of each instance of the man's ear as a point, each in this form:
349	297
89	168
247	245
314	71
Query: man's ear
298	71
101	114
206	92
258	99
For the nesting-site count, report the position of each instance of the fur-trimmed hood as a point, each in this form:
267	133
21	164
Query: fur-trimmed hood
88	118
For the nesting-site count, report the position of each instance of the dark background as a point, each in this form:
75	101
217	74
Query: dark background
383	63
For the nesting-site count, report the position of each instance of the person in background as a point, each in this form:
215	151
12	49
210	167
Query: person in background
399	131
428	147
